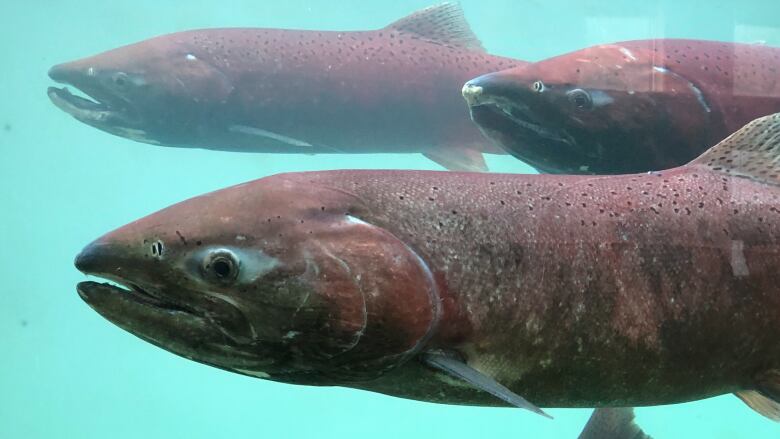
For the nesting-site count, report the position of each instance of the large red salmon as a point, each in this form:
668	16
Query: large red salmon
395	89
469	288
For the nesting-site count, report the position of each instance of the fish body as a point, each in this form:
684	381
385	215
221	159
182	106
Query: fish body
626	107
394	89
572	291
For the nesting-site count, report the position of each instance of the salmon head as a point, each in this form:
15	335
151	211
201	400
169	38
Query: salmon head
130	92
602	110
267	280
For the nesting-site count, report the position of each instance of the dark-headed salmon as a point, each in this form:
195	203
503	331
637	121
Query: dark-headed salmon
468	288
626	107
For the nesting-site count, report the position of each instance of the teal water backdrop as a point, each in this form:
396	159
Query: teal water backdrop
65	372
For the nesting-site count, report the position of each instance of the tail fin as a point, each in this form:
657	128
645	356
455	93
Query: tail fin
612	423
752	152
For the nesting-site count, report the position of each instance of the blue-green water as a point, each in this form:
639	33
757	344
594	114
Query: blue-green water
66	372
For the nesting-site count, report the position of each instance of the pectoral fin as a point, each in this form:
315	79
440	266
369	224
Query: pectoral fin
461	370
765	399
458	159
612	423
760	404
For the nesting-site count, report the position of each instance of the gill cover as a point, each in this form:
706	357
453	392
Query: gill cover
382	300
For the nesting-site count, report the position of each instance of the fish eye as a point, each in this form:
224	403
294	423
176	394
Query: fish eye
120	79
221	266
538	86
580	98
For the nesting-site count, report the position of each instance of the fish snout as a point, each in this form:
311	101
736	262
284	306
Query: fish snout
494	87
61	73
73	73
107	257
489	88
472	93
92	257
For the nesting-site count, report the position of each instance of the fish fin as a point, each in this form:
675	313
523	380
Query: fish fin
612	423
281	138
458	159
753	152
461	370
443	23
769	384
258	132
760	403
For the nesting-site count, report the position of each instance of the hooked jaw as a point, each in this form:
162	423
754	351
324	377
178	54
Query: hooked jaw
97	106
193	329
123	302
508	111
498	94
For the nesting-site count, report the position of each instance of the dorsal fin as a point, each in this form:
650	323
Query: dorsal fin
752	152
443	23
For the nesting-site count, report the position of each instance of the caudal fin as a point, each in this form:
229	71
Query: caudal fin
443	23
753	152
612	423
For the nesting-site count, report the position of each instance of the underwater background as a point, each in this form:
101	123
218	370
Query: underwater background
65	372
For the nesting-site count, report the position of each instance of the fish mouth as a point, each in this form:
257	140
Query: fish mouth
516	127
131	306
519	114
79	107
93	109
132	293
179	328
143	312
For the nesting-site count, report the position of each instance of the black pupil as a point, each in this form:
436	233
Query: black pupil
580	100
222	268
120	81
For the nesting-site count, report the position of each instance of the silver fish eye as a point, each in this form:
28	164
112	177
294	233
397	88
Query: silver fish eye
538	86
580	98
221	266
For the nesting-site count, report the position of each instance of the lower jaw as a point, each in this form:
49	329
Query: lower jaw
97	114
506	133
128	307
